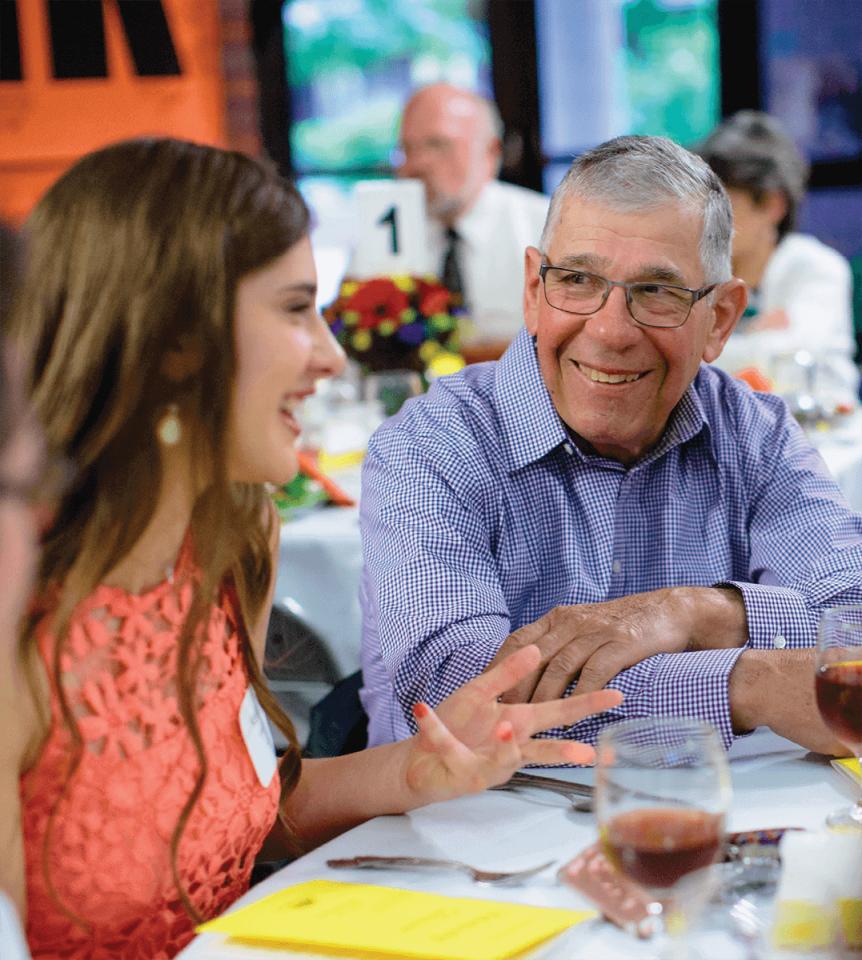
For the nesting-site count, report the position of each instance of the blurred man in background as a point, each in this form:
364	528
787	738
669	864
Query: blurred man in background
479	228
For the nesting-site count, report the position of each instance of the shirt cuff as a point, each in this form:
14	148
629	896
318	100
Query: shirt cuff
696	685
778	617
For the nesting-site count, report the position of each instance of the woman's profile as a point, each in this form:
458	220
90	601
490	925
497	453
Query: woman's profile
168	307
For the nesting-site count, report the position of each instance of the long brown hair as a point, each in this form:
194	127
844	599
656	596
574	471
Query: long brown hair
139	247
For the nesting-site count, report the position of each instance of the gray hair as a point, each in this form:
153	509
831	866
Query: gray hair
641	173
750	151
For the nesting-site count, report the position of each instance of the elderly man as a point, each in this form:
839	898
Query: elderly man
647	520
479	227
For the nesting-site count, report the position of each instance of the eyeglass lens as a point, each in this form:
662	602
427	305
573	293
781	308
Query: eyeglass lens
584	293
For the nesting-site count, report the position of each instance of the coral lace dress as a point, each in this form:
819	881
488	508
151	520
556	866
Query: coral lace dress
108	855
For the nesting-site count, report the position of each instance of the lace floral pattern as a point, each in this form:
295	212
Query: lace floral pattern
108	855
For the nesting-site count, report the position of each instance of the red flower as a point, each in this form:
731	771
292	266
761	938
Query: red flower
433	300
376	301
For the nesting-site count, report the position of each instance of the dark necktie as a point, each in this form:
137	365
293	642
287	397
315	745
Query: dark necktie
451	271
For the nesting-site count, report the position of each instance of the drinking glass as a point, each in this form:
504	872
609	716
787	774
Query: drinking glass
838	682
662	793
391	388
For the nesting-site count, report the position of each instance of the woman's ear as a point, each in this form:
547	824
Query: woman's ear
774	202
183	359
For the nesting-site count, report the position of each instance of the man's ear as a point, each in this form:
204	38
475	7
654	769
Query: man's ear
532	291
183	359
730	300
495	156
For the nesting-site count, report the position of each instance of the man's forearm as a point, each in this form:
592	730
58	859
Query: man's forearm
716	616
775	689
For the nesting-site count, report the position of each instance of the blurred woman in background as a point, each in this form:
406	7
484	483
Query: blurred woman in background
799	289
21	474
169	308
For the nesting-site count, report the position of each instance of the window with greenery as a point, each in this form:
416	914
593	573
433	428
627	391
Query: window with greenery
352	63
609	67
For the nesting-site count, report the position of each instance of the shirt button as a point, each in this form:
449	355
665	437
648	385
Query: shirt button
568	448
779	641
616	566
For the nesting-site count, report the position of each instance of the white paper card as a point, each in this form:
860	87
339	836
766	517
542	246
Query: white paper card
254	724
391	228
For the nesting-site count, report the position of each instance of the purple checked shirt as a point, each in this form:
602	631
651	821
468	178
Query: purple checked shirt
479	515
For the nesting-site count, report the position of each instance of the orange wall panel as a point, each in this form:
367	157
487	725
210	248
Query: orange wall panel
46	124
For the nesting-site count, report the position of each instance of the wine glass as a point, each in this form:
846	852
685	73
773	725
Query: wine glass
662	793
838	682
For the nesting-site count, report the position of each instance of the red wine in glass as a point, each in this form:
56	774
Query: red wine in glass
657	846
839	699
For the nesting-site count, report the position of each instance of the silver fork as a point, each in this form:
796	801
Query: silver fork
580	795
498	877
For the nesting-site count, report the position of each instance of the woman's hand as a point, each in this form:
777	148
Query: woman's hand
473	741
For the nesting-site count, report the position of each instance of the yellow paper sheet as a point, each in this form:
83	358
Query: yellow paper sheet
850	767
384	922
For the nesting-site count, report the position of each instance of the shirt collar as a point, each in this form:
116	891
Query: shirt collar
471	227
532	427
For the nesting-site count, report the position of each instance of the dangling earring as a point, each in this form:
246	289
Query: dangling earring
169	429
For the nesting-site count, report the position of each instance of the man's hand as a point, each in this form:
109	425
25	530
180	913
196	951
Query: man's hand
593	642
775	689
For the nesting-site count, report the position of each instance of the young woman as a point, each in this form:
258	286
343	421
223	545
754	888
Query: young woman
168	302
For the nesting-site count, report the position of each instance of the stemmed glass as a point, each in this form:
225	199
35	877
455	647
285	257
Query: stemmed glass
662	793
838	682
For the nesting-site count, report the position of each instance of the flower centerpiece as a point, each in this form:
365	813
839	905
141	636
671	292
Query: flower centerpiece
398	322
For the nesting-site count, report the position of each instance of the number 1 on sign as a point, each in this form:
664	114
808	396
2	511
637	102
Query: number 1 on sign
391	218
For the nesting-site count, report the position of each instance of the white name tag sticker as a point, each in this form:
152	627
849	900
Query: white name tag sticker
391	228
254	725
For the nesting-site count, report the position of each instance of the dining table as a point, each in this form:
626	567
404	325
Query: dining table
776	783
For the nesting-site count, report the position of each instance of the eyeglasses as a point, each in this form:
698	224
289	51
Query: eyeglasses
649	304
433	146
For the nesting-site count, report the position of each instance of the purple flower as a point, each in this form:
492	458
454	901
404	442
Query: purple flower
411	333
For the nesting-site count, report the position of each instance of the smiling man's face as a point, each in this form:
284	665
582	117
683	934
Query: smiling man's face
614	382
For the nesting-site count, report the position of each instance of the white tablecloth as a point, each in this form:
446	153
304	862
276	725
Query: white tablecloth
775	784
321	556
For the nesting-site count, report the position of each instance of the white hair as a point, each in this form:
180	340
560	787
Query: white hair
637	173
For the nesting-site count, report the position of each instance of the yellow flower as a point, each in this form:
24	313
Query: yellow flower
429	350
442	321
404	282
361	340
348	288
351	318
386	328
445	363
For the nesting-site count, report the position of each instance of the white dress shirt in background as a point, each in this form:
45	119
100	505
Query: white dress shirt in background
813	284
494	234
12	943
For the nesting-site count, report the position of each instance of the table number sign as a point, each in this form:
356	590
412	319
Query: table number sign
391	228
